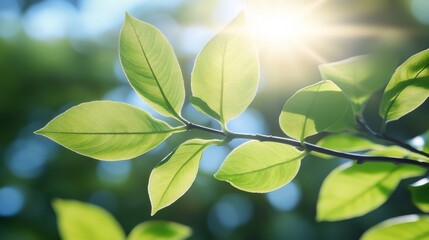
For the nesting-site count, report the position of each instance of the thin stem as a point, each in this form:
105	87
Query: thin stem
385	137
312	147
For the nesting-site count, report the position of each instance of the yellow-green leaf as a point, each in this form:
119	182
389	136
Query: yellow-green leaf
151	67
160	230
107	130
83	221
407	89
410	227
420	194
346	142
353	190
226	73
313	109
359	77
176	173
260	166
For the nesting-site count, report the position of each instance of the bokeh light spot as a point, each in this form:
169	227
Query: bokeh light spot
420	10
113	172
285	198
49	20
11	201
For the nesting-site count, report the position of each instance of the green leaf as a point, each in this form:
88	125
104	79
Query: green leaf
107	130
410	227
176	173
226	73
359	77
83	221
203	107
160	230
420	194
346	142
260	166
407	89
151	67
313	109
347	122
353	190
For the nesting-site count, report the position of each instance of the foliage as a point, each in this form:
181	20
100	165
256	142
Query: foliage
78	220
224	82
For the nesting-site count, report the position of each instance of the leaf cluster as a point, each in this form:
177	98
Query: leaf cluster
224	82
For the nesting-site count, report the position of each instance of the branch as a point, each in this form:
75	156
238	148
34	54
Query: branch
311	147
387	138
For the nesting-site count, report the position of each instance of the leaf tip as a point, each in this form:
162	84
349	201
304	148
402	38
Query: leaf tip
153	211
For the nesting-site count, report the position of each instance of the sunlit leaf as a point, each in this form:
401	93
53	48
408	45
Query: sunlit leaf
347	122
359	77
226	73
347	143
83	221
353	190
151	67
260	166
410	227
407	89
107	130
203	107
176	173
313	109
160	230
420	194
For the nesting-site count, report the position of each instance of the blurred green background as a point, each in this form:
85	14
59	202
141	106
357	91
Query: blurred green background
55	54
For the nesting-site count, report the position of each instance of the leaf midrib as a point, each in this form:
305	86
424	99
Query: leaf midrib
170	107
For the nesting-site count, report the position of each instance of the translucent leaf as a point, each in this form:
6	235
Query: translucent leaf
160	230
407	89
176	173
353	190
313	109
347	143
260	166
151	67
226	73
359	77
347	122
107	130
410	227
420	194
83	221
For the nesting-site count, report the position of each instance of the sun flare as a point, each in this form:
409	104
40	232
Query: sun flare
286	24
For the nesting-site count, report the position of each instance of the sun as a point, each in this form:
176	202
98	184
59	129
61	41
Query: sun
282	24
